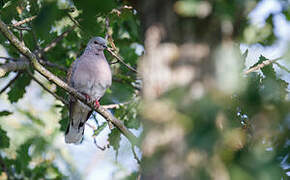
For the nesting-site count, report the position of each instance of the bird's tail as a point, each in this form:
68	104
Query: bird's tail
75	130
74	134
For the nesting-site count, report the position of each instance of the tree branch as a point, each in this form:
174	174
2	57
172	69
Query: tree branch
53	43
13	66
135	155
282	67
20	64
24	21
114	106
121	60
263	64
51	77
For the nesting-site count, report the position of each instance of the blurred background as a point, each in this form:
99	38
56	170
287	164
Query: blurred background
208	96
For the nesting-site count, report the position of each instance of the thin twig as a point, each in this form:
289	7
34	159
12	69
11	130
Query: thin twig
10	83
135	155
50	64
109	34
20	28
114	106
74	21
263	64
51	77
24	21
64	101
53	43
282	67
94	138
121	60
20	64
107	23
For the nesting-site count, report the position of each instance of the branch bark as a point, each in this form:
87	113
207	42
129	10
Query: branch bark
56	40
24	21
21	64
51	77
121	60
263	64
13	66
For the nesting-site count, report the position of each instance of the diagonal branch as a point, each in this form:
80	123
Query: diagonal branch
121	60
282	67
53	43
115	106
51	77
19	23
263	64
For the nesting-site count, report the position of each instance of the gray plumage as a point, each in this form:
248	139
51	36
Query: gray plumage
90	74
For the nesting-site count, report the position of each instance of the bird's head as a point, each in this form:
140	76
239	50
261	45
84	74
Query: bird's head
97	43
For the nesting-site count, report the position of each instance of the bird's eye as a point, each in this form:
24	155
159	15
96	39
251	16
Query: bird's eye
95	42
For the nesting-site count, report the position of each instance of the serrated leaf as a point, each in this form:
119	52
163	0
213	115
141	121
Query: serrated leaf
114	139
4	140
100	129
5	113
18	88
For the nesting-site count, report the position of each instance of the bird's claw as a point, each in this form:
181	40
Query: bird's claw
91	101
97	104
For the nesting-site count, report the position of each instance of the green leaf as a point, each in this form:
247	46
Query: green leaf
8	12
5	113
46	18
64	118
90	11
100	129
18	88
1	3
4	140
261	59
114	139
23	158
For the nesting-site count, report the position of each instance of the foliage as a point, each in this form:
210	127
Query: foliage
243	134
89	16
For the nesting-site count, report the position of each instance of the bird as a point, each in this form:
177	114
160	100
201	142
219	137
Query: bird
90	74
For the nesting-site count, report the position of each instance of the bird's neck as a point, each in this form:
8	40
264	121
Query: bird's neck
94	52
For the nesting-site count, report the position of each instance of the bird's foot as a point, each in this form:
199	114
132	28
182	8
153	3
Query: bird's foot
90	100
97	104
